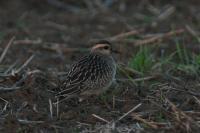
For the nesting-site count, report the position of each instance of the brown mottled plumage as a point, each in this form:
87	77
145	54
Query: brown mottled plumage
92	74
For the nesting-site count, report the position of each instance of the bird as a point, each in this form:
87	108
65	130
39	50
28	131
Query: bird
92	74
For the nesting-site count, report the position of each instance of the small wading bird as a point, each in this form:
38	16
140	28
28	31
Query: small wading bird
92	74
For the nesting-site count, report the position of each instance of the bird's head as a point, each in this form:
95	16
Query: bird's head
102	47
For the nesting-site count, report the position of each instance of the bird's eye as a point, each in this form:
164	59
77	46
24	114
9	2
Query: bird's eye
106	47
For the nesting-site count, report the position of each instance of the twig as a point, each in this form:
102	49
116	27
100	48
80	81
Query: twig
24	104
30	122
113	102
57	107
130	70
35	108
189	92
6	49
144	121
100	118
8	88
144	78
169	11
126	34
34	71
158	37
6	104
57	26
11	67
192	112
81	123
180	115
127	113
28	41
192	32
148	40
138	79
25	64
198	101
153	9
51	108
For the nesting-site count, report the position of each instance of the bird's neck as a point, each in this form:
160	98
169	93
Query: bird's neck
101	54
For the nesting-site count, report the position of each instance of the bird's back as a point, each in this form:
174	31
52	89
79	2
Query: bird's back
91	72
